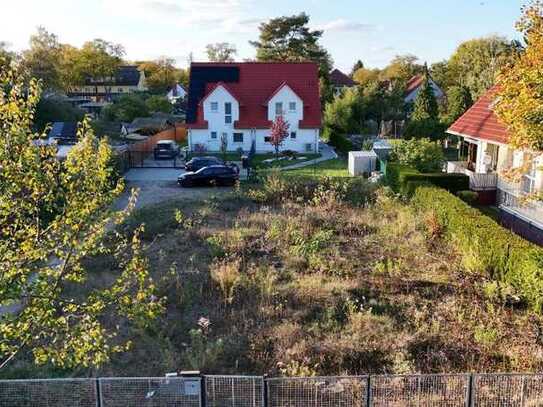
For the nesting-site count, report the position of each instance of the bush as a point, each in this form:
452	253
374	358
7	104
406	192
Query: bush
423	155
485	246
341	143
469	197
404	179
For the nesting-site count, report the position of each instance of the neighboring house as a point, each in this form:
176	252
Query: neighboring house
63	132
238	102
128	79
176	93
413	87
485	155
340	81
150	125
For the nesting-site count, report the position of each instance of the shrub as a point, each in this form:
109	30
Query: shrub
469	197
405	180
485	246
340	142
423	154
228	276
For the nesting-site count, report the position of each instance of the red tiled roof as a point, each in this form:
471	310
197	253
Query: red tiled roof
413	84
338	78
479	121
257	83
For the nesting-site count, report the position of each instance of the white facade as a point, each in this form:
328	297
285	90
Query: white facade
410	98
221	111
176	93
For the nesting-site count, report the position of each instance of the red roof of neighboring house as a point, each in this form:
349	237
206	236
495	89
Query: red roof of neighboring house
258	81
338	78
479	121
413	83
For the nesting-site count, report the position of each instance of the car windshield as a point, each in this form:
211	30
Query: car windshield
164	146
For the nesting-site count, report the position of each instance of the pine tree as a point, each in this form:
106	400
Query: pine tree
425	106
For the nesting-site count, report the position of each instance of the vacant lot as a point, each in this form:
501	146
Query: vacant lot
315	278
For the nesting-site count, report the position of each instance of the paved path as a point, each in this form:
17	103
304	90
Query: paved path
327	153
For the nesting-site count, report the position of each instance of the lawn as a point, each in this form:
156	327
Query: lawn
330	168
258	160
305	278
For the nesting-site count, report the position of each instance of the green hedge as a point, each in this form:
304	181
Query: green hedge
485	246
404	179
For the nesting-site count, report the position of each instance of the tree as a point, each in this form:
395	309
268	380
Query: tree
476	63
159	104
126	109
357	65
278	132
44	57
289	39
54	109
402	68
6	56
53	216
458	101
442	75
364	76
519	101
422	154
161	75
221	52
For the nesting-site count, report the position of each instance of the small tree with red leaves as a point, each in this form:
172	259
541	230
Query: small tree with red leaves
278	132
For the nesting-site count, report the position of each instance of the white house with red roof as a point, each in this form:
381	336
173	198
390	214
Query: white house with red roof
413	87
485	154
238	102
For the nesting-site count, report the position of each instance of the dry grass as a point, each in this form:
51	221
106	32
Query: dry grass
320	286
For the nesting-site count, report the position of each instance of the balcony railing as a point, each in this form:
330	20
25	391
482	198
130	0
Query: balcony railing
477	181
513	198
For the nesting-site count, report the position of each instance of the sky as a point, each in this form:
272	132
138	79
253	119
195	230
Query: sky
373	31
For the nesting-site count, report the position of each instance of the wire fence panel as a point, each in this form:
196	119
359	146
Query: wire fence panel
420	391
234	391
150	392
508	390
317	392
48	393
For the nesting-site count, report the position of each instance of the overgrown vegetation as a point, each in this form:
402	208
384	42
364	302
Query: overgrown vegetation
296	277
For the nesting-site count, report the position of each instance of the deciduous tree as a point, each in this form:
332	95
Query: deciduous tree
53	216
221	52
278	132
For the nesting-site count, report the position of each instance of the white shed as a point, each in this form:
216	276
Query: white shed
361	162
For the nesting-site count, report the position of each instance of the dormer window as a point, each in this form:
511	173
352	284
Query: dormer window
292	106
279	109
214	107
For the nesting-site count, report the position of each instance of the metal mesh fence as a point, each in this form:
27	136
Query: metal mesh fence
48	393
508	390
416	390
150	392
481	390
317	392
234	391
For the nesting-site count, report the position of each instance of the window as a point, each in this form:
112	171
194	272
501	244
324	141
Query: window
267	139
214	107
120	90
292	134
278	109
238	137
292	106
213	134
528	180
228	113
309	147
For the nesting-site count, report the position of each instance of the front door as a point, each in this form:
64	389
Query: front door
472	156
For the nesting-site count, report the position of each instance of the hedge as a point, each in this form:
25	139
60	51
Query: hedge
404	179
486	247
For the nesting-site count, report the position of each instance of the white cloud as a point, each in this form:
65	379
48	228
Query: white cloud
341	25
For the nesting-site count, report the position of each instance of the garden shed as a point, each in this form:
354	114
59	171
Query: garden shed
362	162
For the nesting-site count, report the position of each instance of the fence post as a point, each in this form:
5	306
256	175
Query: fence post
265	390
203	398
98	392
470	390
368	391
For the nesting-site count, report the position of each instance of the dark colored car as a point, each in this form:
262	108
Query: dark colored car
166	149
200	162
211	175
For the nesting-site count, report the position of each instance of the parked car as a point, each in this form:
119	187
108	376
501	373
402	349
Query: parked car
210	175
200	162
166	149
